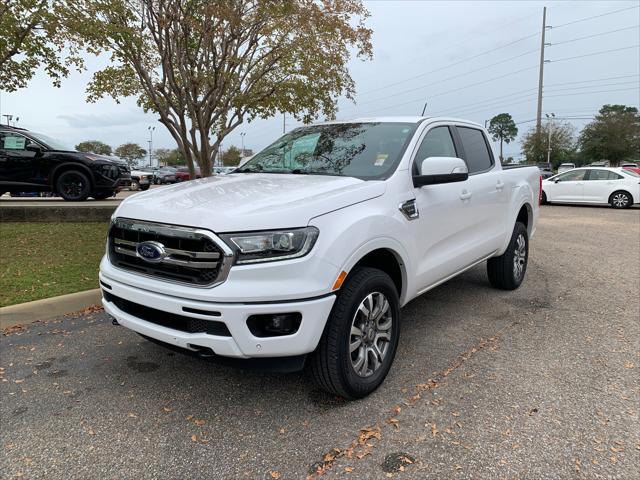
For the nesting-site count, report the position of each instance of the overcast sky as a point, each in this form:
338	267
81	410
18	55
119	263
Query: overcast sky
423	51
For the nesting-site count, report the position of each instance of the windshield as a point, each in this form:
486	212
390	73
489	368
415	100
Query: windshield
369	151
51	142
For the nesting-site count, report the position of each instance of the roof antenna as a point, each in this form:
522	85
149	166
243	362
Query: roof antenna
424	109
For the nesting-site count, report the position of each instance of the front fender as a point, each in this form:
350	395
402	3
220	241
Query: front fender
355	231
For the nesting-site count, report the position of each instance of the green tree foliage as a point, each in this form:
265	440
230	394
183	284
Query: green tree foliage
231	157
170	157
535	145
204	67
502	128
131	153
613	135
32	36
94	146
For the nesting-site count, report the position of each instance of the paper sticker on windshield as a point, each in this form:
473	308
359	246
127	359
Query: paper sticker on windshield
380	159
14	143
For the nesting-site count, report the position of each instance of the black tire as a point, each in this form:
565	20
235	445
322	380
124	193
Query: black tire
332	363
144	187
103	195
544	200
621	199
73	185
502	270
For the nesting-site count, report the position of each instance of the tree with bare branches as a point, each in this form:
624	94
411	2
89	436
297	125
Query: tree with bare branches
207	66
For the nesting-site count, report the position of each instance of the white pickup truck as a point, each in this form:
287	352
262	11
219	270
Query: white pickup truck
306	254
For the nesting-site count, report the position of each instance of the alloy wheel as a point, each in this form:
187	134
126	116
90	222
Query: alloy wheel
370	335
620	200
519	257
73	185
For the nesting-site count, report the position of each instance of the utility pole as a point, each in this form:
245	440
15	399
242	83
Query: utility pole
8	117
284	123
242	140
541	76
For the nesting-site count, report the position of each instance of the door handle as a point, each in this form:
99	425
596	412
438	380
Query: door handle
499	185
465	195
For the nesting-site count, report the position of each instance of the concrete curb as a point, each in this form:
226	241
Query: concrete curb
48	308
56	213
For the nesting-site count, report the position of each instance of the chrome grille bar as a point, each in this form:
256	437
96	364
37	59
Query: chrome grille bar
192	256
172	251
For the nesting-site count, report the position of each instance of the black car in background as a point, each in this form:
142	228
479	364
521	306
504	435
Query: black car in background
32	162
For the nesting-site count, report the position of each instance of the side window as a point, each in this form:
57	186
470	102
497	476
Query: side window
10	141
572	175
476	149
436	143
599	175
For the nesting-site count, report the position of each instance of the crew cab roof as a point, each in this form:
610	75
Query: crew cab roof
401	119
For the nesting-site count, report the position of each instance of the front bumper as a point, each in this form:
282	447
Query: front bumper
241	343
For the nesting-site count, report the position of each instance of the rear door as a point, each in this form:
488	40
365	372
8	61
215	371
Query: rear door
599	184
489	193
17	164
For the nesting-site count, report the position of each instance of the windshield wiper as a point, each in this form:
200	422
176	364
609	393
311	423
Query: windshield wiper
247	170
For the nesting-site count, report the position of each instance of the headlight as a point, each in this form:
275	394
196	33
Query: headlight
254	247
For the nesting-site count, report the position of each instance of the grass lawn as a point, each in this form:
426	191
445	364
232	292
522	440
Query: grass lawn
41	260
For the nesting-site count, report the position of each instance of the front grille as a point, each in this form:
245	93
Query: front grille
187	255
166	319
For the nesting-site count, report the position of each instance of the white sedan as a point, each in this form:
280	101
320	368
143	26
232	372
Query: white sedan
615	186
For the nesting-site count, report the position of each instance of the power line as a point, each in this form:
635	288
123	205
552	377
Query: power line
484	108
451	77
592	17
454	90
594	35
473	57
594	80
594	53
497	101
501	47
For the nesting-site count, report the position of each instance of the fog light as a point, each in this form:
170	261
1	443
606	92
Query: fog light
275	324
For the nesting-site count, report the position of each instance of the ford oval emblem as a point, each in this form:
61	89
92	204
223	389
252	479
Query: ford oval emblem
151	251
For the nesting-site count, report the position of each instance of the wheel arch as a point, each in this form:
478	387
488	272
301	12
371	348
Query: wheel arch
65	167
621	190
385	256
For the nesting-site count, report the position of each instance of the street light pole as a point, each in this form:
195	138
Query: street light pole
549	126
151	129
242	140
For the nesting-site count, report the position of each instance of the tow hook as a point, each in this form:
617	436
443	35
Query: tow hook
114	322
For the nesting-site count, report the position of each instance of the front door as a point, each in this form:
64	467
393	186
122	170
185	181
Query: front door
567	187
445	211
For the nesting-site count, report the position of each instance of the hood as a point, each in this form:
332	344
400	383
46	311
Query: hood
249	201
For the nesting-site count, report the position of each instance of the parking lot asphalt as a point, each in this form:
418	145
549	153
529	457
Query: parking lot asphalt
538	383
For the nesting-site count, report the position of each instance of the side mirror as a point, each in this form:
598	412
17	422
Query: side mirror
557	180
437	170
32	147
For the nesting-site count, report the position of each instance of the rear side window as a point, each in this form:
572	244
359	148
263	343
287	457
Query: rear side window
9	141
436	143
603	175
476	150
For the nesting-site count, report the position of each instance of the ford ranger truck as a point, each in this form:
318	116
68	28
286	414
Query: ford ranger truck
305	255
